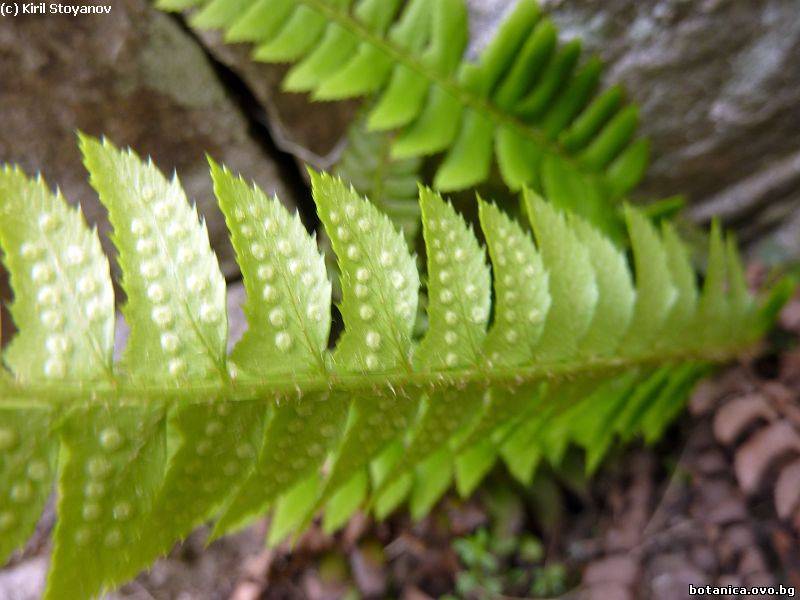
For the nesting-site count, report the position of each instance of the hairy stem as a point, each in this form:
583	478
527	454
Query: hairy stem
246	388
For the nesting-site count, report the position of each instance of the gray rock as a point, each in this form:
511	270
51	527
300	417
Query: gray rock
313	132
718	84
25	580
719	87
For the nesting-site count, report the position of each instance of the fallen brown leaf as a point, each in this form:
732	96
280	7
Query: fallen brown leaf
759	452
737	415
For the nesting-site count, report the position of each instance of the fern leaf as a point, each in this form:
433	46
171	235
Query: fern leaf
521	451
292	509
395	492
380	285
656	295
473	464
28	451
524	99
609	321
55	264
288	299
368	69
616	294
433	478
522	302
591	425
288	292
259	21
628	168
287	423
563	184
458	311
214	444
714	298
219	13
183	333
176	293
112	461
671	399
573	287
380	282
521	289
296	440
741	302
685	282
458	287
177	4
345	502
545	431
48	276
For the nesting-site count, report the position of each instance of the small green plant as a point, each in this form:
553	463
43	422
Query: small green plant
179	431
549	581
481	566
495	565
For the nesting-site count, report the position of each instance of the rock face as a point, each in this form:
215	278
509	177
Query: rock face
313	132
719	86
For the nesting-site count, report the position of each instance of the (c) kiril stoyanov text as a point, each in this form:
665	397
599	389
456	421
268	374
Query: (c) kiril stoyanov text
13	9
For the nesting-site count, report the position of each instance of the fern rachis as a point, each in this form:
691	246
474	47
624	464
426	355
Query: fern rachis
179	432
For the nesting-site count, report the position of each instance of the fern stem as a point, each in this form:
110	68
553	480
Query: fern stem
15	395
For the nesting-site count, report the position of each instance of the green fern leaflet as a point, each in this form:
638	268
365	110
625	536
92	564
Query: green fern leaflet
575	348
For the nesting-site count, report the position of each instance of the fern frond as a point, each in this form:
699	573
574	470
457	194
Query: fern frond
577	347
528	102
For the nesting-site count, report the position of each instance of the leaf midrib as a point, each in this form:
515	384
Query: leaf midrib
345	20
127	392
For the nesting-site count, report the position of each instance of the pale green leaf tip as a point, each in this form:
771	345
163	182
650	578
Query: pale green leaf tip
316	176
532	201
214	166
